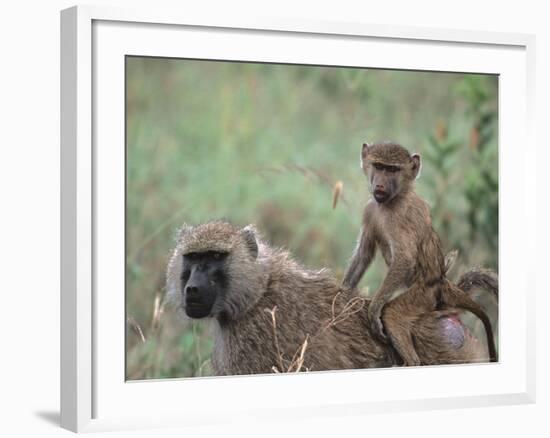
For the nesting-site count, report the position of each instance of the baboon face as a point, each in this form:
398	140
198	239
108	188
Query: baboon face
385	181
203	282
214	271
389	168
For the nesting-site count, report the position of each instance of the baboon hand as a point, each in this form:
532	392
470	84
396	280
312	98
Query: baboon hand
376	325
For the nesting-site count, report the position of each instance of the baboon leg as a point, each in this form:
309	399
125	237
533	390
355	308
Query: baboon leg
403	343
399	326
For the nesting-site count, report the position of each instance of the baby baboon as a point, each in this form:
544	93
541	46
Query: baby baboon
269	311
398	222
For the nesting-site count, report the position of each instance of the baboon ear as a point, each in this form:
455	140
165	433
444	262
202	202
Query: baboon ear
249	236
416	165
364	153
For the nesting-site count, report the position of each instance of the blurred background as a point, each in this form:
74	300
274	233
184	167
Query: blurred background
267	144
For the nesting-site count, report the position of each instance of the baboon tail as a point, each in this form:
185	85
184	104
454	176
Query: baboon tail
455	297
479	278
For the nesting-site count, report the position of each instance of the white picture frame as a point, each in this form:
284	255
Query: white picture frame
94	396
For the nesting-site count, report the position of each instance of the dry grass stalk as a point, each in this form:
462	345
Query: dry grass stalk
310	174
353	306
296	364
150	359
337	190
275	337
136	328
158	310
207	361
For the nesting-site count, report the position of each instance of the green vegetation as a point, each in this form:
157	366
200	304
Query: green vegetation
265	144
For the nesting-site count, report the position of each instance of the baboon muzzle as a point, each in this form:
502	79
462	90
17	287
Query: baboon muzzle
381	196
199	297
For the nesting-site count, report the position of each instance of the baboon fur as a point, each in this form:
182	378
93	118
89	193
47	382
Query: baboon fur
397	222
246	342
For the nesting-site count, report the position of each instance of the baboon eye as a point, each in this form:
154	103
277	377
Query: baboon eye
218	255
385	167
184	275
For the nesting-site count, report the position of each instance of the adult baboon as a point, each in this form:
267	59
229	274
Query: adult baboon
397	222
271	314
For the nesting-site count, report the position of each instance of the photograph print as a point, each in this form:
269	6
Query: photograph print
287	218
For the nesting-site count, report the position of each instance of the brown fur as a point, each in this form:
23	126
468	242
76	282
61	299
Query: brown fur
306	303
399	224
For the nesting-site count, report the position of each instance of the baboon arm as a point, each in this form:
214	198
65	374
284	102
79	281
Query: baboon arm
361	259
396	278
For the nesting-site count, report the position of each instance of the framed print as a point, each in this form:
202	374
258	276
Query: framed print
212	199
